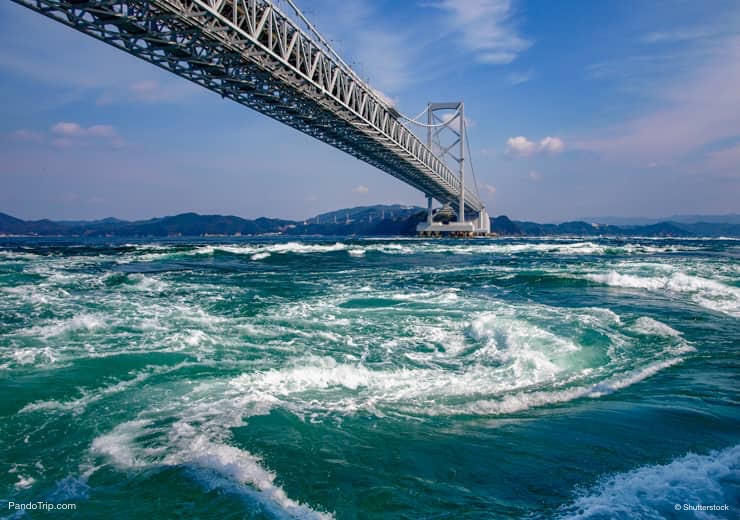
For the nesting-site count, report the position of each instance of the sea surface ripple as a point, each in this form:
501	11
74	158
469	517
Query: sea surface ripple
369	378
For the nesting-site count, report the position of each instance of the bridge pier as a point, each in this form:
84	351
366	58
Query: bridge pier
480	226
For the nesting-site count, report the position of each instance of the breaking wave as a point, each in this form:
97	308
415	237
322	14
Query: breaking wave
711	294
662	490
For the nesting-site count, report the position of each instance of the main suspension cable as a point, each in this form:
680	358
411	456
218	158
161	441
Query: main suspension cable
425	125
470	157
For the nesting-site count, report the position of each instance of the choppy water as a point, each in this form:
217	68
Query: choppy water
371	378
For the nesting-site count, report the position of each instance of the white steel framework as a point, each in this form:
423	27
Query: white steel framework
250	51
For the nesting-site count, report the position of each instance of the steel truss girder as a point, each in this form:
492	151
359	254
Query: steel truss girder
250	52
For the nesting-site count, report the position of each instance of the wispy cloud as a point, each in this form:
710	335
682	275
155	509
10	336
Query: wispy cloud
148	91
535	175
67	129
487	28
360	189
677	35
28	135
696	109
517	78
67	134
388	57
520	146
116	76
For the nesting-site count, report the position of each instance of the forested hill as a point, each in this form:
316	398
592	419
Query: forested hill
364	220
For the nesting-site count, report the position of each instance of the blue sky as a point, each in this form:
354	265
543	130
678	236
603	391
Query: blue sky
575	109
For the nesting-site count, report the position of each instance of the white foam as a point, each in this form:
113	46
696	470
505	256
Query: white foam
29	293
277	248
77	406
654	491
260	256
34	356
119	444
148	283
553	246
650	326
317	383
711	294
18	255
24	482
298	247
193	338
236	465
216	464
525	400
80	322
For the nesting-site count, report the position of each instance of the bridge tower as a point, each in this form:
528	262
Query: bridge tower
445	129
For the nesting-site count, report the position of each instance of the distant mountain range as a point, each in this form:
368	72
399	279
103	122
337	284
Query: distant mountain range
504	226
728	218
189	224
364	220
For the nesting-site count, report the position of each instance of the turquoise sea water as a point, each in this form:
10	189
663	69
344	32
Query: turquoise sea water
351	378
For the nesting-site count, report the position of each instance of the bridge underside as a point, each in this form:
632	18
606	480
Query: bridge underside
186	37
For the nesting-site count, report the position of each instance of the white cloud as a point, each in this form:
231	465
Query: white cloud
68	129
361	189
520	146
535	175
64	128
70	134
552	145
486	28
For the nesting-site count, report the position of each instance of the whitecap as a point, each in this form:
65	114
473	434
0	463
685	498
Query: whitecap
79	322
24	482
34	356
649	326
660	491
707	293
213	463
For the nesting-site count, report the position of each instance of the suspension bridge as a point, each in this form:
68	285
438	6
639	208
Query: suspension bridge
269	57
